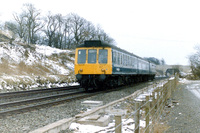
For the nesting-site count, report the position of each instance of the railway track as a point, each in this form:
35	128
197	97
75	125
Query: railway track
30	92
33	100
29	104
17	106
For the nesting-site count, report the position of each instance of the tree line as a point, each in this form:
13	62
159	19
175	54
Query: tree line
54	30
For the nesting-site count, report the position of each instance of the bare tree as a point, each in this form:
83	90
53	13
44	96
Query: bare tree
89	31
84	30
77	26
51	28
103	36
55	30
195	62
21	26
33	22
60	32
68	34
28	23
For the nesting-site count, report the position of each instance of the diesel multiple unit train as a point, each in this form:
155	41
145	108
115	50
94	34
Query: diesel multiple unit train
99	64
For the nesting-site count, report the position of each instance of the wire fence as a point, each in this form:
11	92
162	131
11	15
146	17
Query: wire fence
150	109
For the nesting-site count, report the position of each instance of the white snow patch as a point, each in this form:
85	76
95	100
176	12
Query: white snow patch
192	85
128	126
196	92
47	50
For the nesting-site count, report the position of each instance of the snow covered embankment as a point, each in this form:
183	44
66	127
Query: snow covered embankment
23	67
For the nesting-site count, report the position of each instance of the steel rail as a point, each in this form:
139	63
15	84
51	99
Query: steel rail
21	93
42	104
33	100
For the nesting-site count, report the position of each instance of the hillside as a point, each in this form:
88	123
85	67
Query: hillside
24	67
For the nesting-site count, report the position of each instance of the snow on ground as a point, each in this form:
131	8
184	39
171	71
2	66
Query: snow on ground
183	80
193	86
46	50
25	65
127	127
10	53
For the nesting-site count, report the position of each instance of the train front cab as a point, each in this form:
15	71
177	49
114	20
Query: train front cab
92	65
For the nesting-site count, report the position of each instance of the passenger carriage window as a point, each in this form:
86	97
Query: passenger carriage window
114	57
131	61
118	58
134	63
103	56
81	56
92	56
126	60
122	59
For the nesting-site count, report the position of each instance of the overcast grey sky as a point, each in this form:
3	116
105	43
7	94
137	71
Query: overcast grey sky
167	29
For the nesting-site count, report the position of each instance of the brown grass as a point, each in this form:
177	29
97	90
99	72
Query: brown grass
36	69
4	67
160	127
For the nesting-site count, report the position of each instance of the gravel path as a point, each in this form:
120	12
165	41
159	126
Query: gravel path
29	121
185	117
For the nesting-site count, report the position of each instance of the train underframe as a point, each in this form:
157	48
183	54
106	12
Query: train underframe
104	81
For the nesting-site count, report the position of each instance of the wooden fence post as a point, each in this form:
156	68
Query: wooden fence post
118	125
137	117
157	103
167	86
147	108
162	100
153	106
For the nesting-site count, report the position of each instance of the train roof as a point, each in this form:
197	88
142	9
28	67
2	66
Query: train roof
94	43
99	43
